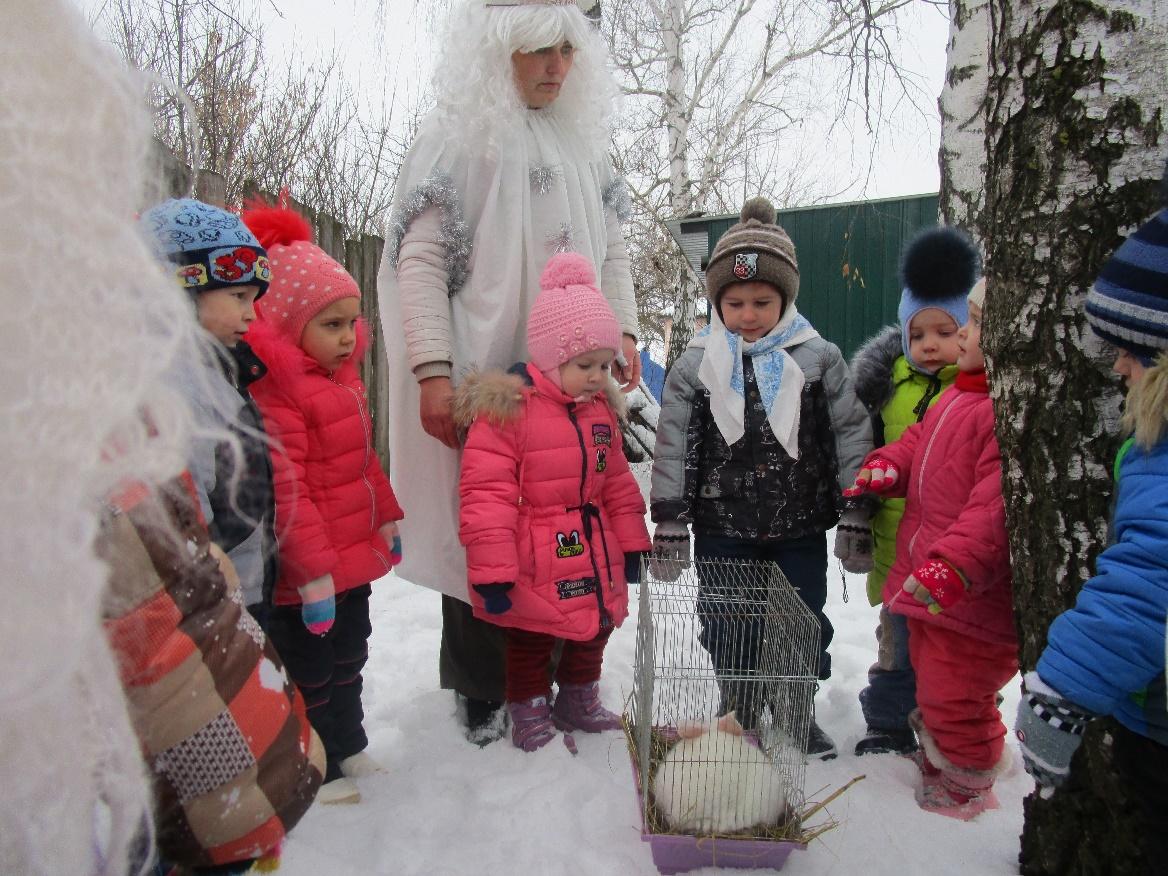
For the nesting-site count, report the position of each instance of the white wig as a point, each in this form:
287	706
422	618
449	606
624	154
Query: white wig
91	324
475	88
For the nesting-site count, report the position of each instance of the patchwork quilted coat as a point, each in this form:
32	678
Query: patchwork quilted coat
223	730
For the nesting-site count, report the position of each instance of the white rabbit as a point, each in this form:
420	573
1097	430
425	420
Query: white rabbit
715	781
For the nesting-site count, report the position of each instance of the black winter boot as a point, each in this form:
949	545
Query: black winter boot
486	721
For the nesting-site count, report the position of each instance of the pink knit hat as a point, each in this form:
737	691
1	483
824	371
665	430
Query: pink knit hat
570	317
305	279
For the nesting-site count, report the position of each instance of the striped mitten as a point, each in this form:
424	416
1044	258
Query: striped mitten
318	605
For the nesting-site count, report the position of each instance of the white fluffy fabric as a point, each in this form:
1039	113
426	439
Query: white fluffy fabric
473	81
90	322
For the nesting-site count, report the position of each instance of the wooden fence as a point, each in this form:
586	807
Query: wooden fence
360	256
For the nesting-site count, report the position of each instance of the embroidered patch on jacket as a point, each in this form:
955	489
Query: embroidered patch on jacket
601	459
569	545
746	265
601	433
578	587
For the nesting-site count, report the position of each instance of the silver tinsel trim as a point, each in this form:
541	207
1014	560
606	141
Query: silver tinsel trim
616	197
543	178
454	235
561	240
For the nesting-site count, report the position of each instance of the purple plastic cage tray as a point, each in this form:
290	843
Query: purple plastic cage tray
678	853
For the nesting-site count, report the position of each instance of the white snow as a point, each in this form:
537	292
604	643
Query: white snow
444	806
271	676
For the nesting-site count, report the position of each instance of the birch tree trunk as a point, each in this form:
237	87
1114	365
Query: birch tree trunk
1074	144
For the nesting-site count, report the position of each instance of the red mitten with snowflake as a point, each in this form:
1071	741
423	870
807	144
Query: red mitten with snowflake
937	584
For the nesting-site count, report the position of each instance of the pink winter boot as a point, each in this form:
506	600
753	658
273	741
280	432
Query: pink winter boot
959	793
531	723
947	789
578	707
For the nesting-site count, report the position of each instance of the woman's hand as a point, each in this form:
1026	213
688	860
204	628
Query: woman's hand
437	410
629	376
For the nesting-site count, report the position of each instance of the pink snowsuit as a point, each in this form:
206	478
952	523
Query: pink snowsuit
548	503
951	475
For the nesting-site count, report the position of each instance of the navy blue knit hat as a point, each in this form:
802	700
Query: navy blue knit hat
210	247
1128	305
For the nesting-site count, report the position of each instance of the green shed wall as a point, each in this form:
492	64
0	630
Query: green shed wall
849	256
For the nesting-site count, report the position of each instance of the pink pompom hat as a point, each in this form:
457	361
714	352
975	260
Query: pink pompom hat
570	316
305	278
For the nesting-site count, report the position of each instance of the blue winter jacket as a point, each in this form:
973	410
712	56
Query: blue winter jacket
1107	653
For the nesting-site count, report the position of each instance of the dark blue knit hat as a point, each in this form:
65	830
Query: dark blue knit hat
210	247
1128	305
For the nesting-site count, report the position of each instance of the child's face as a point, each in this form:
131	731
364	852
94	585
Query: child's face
331	335
1129	368
932	339
969	342
750	308
226	313
583	376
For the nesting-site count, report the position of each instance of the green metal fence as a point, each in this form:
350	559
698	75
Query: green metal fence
849	256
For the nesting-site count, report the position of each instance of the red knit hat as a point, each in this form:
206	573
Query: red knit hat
570	317
305	279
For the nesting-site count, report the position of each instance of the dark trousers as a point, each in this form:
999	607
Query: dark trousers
892	685
803	561
261	611
471	657
1142	764
327	670
530	663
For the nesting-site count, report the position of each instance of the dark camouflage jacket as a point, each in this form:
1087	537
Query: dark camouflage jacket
752	489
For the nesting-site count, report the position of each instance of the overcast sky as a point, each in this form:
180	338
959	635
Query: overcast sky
387	44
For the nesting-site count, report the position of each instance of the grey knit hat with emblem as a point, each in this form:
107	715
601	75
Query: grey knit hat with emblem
754	249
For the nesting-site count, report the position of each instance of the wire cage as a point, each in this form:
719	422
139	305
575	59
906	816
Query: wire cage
725	636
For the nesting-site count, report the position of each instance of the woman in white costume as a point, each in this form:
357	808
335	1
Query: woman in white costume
510	168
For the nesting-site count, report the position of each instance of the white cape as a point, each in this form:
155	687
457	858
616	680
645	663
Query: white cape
514	225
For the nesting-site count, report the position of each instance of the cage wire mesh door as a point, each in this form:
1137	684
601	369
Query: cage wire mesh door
725	636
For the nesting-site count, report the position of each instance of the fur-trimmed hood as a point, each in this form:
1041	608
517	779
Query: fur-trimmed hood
872	367
498	395
286	361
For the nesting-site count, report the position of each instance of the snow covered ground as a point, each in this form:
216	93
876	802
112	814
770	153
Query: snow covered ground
446	807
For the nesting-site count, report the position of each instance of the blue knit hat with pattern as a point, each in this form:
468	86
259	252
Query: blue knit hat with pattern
1128	305
209	247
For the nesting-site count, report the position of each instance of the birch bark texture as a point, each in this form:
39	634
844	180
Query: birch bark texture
1068	100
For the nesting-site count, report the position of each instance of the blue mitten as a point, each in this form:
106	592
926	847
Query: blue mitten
1049	730
495	598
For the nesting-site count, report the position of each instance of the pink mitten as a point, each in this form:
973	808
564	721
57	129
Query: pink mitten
937	584
876	475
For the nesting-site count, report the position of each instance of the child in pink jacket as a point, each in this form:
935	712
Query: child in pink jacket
951	578
549	508
335	510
